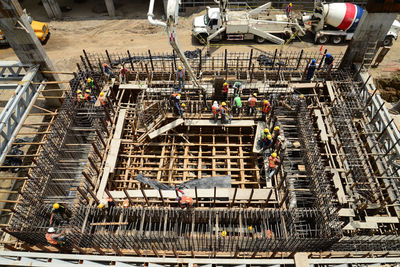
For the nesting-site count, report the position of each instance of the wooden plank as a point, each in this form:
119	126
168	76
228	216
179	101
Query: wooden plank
260	129
346	213
338	185
321	125
242	194
330	90
112	155
131	86
120	123
234	123
103	183
381	219
166	128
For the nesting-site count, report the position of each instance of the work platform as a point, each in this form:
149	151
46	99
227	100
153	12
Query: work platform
334	194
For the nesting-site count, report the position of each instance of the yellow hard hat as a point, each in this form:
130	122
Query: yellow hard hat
183	105
89	80
269	137
223	104
56	206
290	4
250	228
274	155
301	96
79	91
225	83
100	206
101	93
179	68
276	128
255	94
87	91
266	102
266	130
223	233
179	95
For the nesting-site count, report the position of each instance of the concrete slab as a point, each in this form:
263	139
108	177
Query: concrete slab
301	259
259	130
321	125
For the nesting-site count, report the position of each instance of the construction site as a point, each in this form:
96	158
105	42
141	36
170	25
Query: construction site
120	165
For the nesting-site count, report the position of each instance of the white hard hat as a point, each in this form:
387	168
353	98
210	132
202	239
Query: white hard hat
178	97
51	230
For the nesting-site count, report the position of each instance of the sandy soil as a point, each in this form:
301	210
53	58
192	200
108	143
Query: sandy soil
95	33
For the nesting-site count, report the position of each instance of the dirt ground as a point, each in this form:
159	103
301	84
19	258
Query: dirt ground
81	28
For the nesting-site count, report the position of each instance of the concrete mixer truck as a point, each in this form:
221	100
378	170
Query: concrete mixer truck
336	22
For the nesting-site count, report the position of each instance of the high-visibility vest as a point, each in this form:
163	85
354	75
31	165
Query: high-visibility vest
49	238
87	96
186	200
266	108
101	99
272	162
253	101
180	74
288	8
225	89
214	110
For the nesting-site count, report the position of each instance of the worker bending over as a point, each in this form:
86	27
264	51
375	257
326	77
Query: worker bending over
215	110
185	201
237	88
102	99
237	105
89	97
80	97
311	69
272	162
225	90
182	109
90	83
328	62
267	142
265	110
55	239
225	118
61	211
180	77
108	71
252	101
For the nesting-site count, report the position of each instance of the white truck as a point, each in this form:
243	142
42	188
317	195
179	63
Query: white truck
336	22
258	24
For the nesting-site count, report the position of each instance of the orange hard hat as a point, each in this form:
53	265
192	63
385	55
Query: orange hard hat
105	64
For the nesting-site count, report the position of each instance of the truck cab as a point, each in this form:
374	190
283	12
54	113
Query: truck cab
207	24
41	30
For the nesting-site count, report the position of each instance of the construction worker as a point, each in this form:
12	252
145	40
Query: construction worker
182	109
123	73
89	97
252	104
177	105
280	143
125	204
53	238
102	99
237	104
272	161
288	10
225	90
265	109
328	62
224	113
106	203
264	134
61	211
79	96
180	77
267	142
215	110
275	133
90	83
185	201
311	69
108	71
237	88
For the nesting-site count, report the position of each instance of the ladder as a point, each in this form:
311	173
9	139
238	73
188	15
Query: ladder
369	55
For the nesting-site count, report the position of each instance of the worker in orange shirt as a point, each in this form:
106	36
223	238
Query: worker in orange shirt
272	162
265	109
215	110
53	238
252	101
102	99
80	97
185	201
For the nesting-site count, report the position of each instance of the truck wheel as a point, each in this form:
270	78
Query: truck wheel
388	41
337	39
323	39
260	40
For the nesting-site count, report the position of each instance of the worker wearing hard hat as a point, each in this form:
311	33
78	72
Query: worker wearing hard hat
53	238
90	83
61	211
224	113
185	201
80	97
123	73
289	9
102	99
237	105
328	62
106	204
180	77
252	101
108	71
182	109
237	88
272	162
215	110
267	142
265	109
311	69
177	105
225	90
